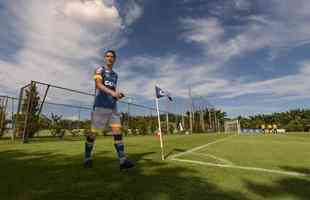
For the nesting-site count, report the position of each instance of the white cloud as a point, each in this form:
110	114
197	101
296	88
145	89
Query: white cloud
282	26
221	46
242	4
58	36
139	75
132	11
294	86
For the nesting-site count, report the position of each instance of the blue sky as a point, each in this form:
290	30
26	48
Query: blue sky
244	56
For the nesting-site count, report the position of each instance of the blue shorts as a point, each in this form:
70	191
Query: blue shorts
103	119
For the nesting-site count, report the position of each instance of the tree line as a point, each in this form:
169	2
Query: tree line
296	120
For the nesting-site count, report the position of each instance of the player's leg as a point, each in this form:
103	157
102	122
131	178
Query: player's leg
99	119
118	142
89	145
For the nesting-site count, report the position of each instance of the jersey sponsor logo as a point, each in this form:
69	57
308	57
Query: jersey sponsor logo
109	83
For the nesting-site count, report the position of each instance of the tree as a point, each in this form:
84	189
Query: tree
29	111
57	126
3	120
293	120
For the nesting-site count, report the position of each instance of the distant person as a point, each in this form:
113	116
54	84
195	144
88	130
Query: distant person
269	128
181	127
274	129
105	111
263	127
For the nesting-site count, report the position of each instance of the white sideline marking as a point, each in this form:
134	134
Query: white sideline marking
244	168
198	148
214	157
274	142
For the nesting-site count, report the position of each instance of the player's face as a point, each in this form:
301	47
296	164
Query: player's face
109	58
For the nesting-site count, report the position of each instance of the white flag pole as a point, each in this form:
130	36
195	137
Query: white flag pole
160	133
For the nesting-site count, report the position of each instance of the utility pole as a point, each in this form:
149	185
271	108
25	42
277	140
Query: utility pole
191	110
202	123
167	115
210	119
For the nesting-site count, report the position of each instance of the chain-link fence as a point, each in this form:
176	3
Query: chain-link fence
8	109
45	110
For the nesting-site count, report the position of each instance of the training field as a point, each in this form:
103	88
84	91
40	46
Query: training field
202	166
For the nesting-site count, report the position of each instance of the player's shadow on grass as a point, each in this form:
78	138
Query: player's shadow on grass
302	170
174	151
284	186
28	174
42	139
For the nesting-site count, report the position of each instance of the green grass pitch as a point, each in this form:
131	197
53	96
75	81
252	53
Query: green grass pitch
201	166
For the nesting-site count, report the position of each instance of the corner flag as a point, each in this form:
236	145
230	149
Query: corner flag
161	93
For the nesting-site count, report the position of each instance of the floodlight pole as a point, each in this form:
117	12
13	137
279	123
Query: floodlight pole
191	110
167	115
210	120
13	121
202	121
183	120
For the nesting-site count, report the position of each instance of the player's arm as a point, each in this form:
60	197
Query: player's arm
100	86
121	95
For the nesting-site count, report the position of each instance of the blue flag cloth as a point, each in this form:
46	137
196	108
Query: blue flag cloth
161	93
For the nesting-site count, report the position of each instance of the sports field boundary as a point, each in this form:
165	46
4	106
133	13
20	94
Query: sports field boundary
200	147
273	171
228	164
225	161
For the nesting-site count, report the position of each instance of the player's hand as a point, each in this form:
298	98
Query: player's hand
121	95
118	95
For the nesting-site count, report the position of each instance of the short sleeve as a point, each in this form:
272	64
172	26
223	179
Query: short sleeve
98	74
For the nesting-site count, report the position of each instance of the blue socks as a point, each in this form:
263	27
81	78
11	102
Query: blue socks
119	147
88	150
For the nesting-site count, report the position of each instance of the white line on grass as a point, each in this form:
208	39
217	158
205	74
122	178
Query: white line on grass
244	168
198	148
273	142
214	157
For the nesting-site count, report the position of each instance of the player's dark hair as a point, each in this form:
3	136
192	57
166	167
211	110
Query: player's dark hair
110	51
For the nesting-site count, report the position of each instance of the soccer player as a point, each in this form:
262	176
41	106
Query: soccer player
105	111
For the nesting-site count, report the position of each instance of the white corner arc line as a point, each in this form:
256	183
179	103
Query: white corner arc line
199	147
244	168
225	161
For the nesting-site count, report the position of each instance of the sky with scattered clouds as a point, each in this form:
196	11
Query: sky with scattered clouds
243	56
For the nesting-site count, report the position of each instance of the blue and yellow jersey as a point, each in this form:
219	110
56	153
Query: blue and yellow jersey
109	79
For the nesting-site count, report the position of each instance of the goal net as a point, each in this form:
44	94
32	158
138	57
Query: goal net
232	126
